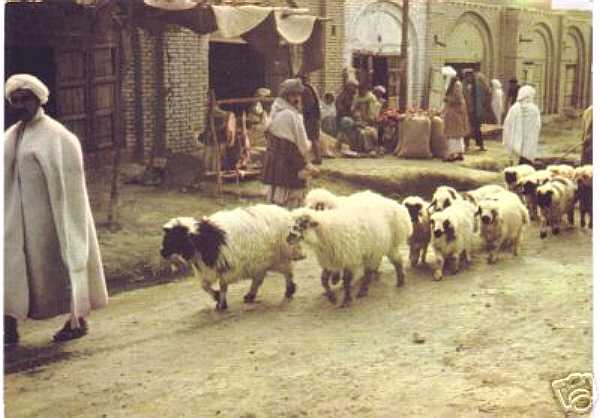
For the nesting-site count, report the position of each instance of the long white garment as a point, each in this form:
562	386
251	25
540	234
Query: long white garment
497	100
522	125
51	253
456	146
286	122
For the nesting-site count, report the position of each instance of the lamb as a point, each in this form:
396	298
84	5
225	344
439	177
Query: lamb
502	221
353	239
562	170
513	174
585	197
453	236
555	199
443	197
527	187
216	248
421	236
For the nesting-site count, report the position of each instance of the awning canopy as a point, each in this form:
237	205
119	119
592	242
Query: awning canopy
264	28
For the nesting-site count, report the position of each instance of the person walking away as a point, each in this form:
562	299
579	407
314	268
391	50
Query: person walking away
329	115
512	93
478	97
288	148
456	118
311	110
522	127
587	154
497	100
52	263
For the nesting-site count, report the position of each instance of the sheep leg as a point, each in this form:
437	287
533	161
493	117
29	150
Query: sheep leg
347	279
336	276
290	286
424	254
556	225
250	297
325	275
492	253
398	265
571	216
544	228
517	242
222	303
208	289
454	262
582	213
438	272
591	215
364	286
414	256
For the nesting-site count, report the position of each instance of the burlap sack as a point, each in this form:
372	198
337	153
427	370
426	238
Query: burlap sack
416	135
439	143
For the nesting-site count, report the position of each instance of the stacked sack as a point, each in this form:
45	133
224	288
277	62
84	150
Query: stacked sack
421	135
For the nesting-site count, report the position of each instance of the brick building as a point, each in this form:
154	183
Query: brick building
525	39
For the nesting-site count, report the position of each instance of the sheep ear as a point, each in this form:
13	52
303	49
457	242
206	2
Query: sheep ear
453	194
479	211
313	224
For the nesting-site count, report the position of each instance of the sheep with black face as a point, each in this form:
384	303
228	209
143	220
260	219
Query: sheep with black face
443	197
420	238
502	220
556	199
527	189
585	196
218	251
452	236
513	174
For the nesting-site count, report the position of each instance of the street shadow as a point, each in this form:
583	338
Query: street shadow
30	359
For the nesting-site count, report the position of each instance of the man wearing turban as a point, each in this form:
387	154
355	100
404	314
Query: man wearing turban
52	258
288	146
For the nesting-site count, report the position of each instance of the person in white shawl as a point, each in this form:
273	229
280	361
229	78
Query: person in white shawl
52	263
497	100
288	146
522	127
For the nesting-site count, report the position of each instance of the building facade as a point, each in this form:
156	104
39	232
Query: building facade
524	39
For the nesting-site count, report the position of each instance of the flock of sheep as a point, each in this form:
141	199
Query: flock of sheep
350	235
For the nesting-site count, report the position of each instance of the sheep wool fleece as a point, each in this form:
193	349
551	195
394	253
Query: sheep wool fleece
52	258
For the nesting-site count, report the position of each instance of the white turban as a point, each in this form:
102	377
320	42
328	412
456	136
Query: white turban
448	73
380	89
291	85
26	82
526	94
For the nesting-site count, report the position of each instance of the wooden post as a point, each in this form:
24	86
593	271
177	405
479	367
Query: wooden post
403	94
213	131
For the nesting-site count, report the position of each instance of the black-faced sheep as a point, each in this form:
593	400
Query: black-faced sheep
527	188
354	239
502	222
452	236
556	198
513	174
585	196
421	236
442	198
217	248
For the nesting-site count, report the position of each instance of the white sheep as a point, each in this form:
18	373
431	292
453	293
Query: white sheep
585	194
452	236
354	239
443	197
484	192
527	187
556	199
562	170
420	238
218	250
502	220
513	174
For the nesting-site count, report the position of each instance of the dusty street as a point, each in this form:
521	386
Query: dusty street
494	339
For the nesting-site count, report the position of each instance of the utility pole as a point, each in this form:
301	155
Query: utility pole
403	82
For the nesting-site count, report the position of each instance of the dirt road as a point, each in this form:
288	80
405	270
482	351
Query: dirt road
494	339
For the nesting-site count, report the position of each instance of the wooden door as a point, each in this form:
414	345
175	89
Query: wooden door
394	78
103	97
535	75
71	85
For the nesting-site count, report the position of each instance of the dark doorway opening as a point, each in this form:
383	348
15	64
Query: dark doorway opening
37	61
236	70
380	72
461	66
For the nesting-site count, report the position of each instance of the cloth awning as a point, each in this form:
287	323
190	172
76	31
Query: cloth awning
264	28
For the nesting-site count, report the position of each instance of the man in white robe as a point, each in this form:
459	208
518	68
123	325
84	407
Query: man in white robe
522	127
52	263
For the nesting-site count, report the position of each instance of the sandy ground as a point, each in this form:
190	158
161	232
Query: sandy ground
494	339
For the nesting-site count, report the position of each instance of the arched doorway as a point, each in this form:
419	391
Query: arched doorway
470	44
536	53
573	66
375	36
